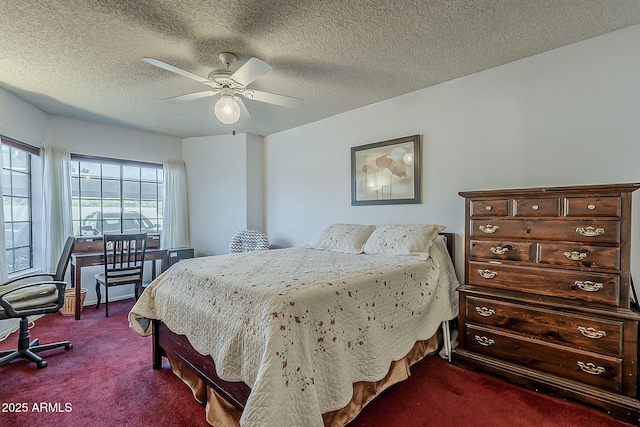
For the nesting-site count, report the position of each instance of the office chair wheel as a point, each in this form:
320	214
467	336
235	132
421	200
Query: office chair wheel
42	364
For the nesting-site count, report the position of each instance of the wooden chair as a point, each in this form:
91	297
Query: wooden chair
32	295
123	264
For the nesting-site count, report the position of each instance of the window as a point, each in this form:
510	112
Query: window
17	203
115	196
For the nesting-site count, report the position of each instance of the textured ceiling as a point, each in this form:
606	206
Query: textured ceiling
83	58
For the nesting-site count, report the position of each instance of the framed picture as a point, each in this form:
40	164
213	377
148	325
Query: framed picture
387	172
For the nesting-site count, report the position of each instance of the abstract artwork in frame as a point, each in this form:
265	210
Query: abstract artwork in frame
387	172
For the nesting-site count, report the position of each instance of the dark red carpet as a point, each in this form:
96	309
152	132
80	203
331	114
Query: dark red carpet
107	380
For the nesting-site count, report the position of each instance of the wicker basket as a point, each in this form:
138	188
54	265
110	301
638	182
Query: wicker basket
69	307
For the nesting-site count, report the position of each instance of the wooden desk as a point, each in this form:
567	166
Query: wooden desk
87	259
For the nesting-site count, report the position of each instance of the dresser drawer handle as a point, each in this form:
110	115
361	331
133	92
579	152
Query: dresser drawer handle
589	286
590	231
487	342
590	368
575	255
485	312
592	333
487	274
488	207
535	207
489	229
499	250
591	206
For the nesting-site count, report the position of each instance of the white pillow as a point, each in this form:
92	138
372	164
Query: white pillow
402	239
349	238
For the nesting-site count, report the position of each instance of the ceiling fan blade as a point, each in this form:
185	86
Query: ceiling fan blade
176	70
249	72
190	96
272	98
244	113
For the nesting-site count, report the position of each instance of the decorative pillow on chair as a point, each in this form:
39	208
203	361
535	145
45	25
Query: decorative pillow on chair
349	238
402	239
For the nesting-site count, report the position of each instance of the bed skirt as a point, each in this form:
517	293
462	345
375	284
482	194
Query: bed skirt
219	413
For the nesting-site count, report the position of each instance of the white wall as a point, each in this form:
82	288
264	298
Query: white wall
565	117
224	179
96	139
255	182
21	120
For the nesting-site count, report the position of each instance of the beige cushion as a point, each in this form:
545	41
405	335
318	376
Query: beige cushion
32	296
349	238
121	277
402	239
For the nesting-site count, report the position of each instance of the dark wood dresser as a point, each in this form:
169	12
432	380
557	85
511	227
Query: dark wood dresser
546	300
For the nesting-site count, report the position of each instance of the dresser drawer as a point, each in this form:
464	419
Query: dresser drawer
578	331
505	250
593	206
580	256
578	365
596	231
493	207
537	206
591	287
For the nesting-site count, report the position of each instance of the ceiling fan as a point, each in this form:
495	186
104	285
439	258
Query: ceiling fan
230	84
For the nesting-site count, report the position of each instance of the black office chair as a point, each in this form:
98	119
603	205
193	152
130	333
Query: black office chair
33	295
123	264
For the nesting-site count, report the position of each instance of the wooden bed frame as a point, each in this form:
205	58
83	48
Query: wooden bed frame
166	342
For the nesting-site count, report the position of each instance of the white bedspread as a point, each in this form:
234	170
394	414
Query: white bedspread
300	326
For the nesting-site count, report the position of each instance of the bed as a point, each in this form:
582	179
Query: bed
302	336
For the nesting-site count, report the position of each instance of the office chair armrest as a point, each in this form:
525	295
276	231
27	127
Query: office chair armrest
6	305
28	276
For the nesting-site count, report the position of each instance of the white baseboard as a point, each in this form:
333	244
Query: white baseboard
9	326
112	299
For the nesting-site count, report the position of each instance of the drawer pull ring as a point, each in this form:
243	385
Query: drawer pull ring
590	368
487	274
499	250
488	229
487	342
592	333
485	312
575	255
588	286
590	231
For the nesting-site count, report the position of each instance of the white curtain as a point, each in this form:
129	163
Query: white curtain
3	246
175	226
56	187
6	325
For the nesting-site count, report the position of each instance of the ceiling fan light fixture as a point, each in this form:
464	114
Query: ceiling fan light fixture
229	84
227	109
